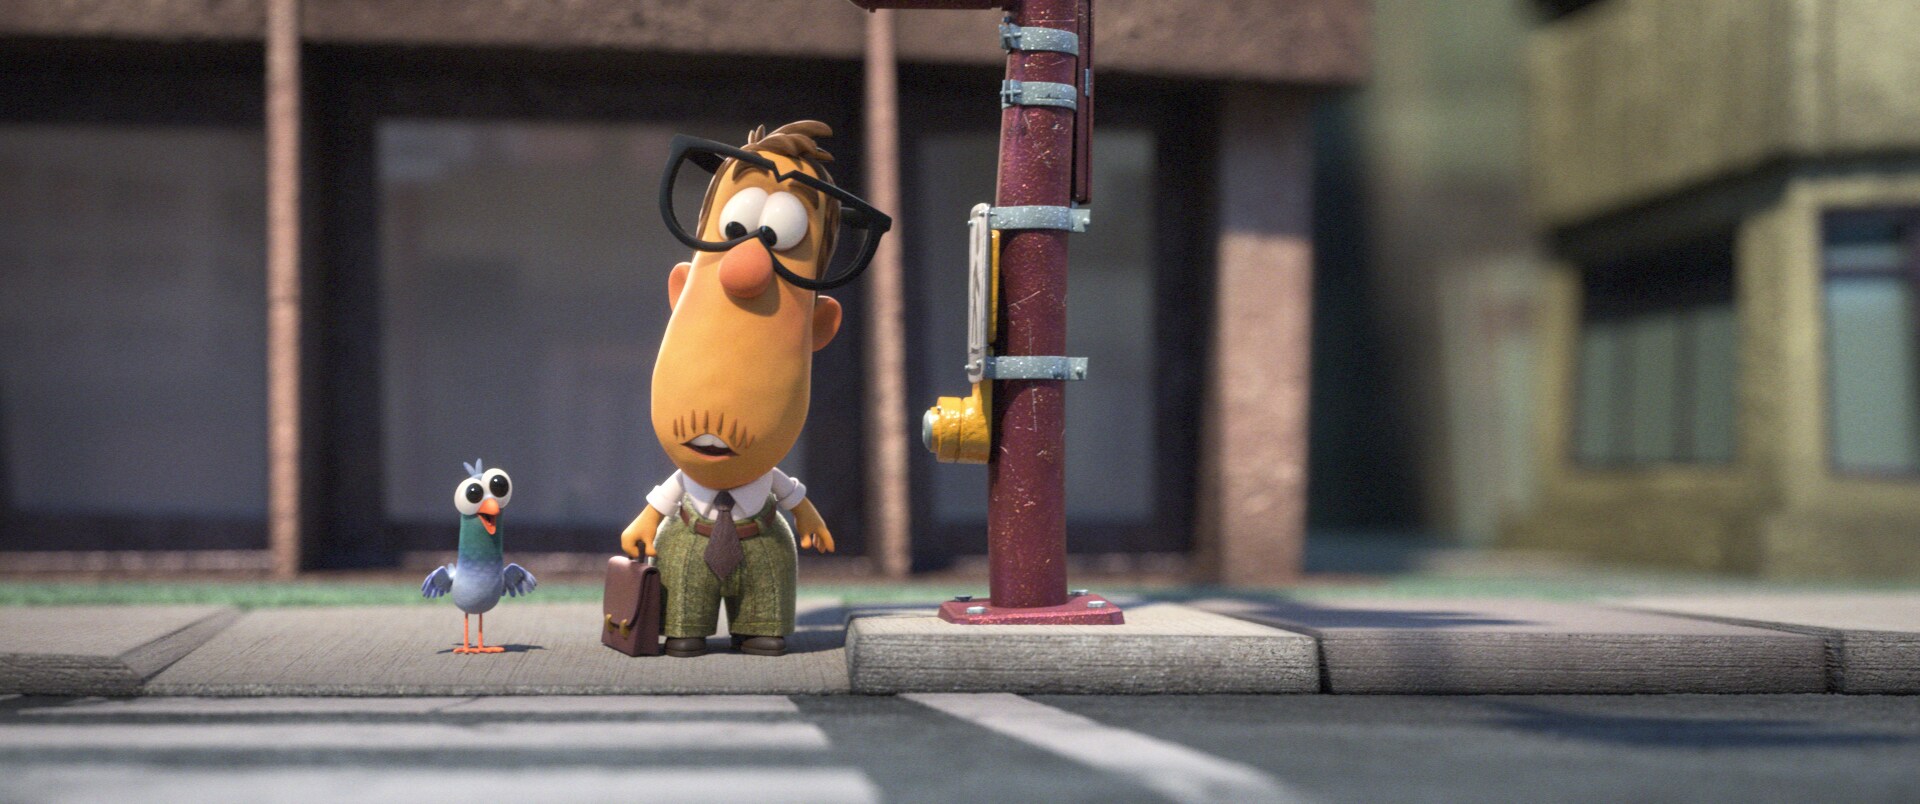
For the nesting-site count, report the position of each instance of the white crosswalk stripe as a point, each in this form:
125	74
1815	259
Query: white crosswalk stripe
629	705
512	751
93	783
510	704
640	736
545	748
220	707
1176	771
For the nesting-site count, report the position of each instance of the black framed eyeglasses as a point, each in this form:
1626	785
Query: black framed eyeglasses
861	226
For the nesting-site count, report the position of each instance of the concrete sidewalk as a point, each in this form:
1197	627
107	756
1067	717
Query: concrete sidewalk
1854	643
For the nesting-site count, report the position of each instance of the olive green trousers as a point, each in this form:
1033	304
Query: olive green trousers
758	594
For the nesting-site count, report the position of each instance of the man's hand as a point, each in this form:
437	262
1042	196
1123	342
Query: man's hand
813	529
640	533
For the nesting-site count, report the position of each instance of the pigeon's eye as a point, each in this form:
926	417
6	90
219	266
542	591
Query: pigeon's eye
467	496
499	485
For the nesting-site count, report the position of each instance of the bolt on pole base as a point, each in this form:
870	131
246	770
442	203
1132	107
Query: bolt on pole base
1082	608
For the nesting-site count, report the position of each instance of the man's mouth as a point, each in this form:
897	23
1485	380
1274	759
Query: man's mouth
709	445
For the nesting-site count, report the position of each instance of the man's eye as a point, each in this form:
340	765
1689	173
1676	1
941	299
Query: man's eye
742	212
787	217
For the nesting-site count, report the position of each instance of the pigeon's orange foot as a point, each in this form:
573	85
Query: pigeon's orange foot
488	649
464	649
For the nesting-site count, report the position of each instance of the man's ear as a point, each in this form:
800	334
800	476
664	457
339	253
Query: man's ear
826	321
676	282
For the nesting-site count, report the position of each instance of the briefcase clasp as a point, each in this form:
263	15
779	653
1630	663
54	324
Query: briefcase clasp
624	627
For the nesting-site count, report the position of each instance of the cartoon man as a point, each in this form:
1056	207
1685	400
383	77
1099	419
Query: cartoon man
731	383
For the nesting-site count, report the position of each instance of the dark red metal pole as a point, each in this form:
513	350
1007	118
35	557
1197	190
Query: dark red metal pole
1026	475
1041	156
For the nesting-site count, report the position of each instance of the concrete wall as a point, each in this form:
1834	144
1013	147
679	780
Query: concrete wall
1635	99
1299	41
1827	524
1448	272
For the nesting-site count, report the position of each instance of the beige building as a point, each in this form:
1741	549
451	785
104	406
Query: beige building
1731	373
274	268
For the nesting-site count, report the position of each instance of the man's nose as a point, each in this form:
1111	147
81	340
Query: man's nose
747	270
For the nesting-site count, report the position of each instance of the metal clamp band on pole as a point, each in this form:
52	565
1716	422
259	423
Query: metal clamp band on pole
1038	37
1038	93
1034	367
1072	219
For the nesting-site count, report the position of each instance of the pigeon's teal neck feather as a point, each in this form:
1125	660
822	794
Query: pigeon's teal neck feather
476	544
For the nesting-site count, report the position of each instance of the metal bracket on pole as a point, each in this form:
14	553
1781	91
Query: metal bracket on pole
1038	93
1034	367
1038	37
1072	219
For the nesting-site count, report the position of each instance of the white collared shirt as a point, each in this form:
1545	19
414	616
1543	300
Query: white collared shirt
748	500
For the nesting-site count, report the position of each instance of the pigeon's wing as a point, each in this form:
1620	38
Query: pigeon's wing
437	582
519	581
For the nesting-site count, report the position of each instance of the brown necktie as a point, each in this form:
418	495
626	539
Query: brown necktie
723	547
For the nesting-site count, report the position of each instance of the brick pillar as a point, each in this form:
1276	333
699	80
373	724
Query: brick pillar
1252	500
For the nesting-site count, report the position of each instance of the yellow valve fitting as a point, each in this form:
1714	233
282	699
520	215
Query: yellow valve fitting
956	429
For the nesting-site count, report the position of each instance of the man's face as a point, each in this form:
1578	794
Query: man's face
731	383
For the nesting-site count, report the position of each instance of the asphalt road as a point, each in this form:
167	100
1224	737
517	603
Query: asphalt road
992	747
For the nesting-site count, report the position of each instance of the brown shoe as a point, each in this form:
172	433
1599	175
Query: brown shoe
686	647
761	645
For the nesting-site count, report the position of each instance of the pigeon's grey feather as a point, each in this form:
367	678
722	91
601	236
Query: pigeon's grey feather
518	580
437	582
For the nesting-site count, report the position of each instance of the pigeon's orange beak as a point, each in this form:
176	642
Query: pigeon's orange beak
490	514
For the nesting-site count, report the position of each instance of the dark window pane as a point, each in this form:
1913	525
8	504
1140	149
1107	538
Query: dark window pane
1869	339
1869	301
1659	354
1653	363
1714	330
524	285
1110	416
132	334
1869	304
956	173
1597	440
1864	242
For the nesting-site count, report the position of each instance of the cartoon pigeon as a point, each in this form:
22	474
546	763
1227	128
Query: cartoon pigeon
479	574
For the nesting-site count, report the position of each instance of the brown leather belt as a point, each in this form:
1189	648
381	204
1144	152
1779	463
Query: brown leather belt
747	529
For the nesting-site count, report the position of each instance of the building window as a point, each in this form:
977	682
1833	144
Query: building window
1134	310
132	337
492	283
1870	264
523	289
1659	346
1112	322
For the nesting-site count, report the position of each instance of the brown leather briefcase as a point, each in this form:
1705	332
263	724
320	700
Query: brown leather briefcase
635	607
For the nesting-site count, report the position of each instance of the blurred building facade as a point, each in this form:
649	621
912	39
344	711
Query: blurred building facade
1425	277
1731	371
483	268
